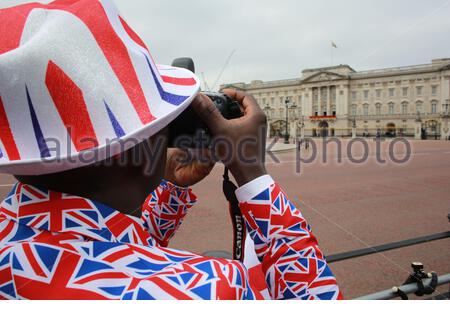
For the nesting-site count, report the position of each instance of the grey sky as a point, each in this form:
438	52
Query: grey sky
277	39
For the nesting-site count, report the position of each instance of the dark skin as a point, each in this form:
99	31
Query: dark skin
126	187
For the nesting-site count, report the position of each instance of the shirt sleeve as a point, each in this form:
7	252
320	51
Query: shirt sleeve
164	210
293	265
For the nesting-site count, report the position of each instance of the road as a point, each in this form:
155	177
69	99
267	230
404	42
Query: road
349	206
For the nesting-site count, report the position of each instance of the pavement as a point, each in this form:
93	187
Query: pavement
348	205
280	147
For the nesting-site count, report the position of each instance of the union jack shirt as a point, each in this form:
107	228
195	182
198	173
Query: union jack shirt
59	246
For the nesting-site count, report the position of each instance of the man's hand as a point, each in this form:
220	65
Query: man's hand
244	151
184	168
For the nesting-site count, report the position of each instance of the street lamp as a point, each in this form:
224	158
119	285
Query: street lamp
286	136
445	116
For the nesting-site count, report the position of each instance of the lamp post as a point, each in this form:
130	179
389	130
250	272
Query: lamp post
354	128
267	110
445	117
286	136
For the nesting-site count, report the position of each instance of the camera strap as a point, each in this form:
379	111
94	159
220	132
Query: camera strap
229	190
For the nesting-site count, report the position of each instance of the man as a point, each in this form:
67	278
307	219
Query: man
83	127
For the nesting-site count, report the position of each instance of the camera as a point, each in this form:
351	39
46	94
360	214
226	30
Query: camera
188	130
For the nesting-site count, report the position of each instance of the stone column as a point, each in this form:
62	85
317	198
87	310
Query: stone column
418	130
445	130
329	101
345	105
319	101
308	103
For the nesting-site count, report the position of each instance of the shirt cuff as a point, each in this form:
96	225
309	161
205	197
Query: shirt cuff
170	185
253	188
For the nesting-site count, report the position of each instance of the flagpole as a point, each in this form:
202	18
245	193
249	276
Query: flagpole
332	58
333	46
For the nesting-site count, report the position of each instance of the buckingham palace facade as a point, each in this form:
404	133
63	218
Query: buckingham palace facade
338	101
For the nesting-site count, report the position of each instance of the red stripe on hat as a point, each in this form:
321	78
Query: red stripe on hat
63	2
179	81
72	108
12	22
95	18
6	135
133	35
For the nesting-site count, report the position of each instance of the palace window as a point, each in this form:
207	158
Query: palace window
391	92
419	105
405	92
354	95
354	110
366	109
378	92
378	109
391	108
366	94
272	101
404	108
434	90
433	107
419	91
264	102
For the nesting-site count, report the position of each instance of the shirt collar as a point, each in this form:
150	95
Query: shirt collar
42	209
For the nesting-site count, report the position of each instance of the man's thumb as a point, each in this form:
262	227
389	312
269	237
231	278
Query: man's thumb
208	112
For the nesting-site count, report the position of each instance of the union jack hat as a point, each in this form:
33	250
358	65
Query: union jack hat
76	80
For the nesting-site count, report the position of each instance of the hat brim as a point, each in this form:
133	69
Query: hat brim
180	81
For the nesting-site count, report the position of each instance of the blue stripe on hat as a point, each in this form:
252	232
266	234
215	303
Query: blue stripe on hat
166	96
116	125
45	153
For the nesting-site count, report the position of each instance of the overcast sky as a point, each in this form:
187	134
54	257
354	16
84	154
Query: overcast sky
277	39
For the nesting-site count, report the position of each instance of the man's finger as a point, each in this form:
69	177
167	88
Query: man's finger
208	112
248	103
203	156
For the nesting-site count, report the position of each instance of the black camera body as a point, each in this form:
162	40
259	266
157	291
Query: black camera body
188	130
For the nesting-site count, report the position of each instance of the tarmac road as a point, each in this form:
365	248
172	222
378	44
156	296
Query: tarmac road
349	207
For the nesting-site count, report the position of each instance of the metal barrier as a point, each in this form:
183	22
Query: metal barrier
386	247
407	289
418	282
